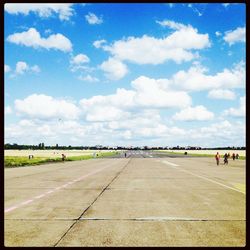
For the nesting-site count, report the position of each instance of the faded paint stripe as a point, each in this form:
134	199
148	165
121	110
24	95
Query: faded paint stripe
208	179
51	191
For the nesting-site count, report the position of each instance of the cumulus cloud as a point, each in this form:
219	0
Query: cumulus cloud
32	38
46	107
98	43
45	10
237	35
237	112
221	94
78	62
146	93
196	79
155	93
178	46
79	59
198	113
6	68
217	33
93	19
114	69
23	67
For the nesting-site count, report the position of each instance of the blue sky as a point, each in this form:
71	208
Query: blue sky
125	74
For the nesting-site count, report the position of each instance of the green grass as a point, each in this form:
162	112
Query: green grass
19	161
197	155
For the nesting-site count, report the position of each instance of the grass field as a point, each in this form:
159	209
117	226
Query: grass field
51	153
206	153
17	158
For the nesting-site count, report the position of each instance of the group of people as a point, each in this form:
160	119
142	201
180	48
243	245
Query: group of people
226	156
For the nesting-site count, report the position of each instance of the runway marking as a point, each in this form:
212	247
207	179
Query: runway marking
170	163
241	187
53	190
10	209
202	177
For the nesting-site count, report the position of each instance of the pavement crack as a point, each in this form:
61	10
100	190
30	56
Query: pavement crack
103	190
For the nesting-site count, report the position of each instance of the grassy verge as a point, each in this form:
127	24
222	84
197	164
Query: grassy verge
196	155
19	161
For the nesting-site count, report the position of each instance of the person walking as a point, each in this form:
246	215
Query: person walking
233	156
217	157
225	158
63	157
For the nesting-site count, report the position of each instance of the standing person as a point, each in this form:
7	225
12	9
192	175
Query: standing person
233	156
63	157
225	158
237	156
125	155
217	157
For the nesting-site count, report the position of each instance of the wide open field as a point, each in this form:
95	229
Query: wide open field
51	153
207	152
141	200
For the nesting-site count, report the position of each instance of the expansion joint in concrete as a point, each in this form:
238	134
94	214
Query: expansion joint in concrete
103	190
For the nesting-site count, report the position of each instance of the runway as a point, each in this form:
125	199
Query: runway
145	199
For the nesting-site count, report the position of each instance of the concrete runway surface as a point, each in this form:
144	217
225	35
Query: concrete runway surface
145	199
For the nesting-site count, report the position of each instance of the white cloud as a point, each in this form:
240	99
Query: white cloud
177	46
173	25
8	110
79	59
114	69
155	93
195	9
217	33
237	112
98	43
93	19
105	113
237	35
35	68
32	38
6	68
221	94
195	78
146	94
22	67
88	78
64	11
198	113
46	107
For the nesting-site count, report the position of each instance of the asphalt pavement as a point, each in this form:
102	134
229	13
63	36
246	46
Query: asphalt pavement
140	200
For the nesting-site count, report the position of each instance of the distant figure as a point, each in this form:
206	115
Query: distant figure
237	156
228	155
225	158
217	157
125	155
63	157
233	156
185	153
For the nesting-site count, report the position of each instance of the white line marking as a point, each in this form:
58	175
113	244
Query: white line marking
26	202
10	209
205	178
39	196
170	163
51	191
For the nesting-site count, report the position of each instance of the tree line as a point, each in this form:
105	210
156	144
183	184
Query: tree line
42	146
